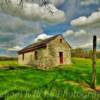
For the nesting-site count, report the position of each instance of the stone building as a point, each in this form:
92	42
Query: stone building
46	53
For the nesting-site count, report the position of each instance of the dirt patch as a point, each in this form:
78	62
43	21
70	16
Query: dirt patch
98	89
84	86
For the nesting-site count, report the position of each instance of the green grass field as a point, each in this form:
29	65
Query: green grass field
8	63
69	82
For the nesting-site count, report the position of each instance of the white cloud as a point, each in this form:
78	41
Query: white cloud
40	2
56	16
81	38
73	33
87	45
15	31
16	48
56	2
35	12
68	32
88	2
42	37
94	18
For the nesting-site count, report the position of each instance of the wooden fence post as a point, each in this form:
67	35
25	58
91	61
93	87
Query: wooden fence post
93	85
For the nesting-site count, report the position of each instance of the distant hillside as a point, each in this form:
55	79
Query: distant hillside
7	58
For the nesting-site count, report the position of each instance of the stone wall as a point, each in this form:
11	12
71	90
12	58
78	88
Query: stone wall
54	47
29	58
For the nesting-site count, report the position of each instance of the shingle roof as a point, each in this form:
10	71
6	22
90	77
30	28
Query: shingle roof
37	45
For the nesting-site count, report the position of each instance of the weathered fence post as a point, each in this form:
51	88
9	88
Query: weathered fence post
93	85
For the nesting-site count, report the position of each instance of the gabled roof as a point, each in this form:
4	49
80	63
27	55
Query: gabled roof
38	45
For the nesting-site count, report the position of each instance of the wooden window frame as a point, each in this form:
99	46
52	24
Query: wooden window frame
60	40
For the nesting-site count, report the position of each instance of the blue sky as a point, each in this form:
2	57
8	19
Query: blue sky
76	20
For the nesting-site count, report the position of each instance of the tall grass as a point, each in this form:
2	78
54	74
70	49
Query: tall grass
69	82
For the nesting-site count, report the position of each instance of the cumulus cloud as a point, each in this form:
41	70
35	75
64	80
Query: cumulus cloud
16	25
88	2
91	24
15	31
92	20
40	2
80	39
56	2
42	37
89	44
16	48
56	16
74	33
34	11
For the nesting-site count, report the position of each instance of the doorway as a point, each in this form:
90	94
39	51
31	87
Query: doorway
61	57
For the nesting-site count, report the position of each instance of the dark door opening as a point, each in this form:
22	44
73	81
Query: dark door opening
61	57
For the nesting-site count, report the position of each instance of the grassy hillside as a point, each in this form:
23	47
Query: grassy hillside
69	82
